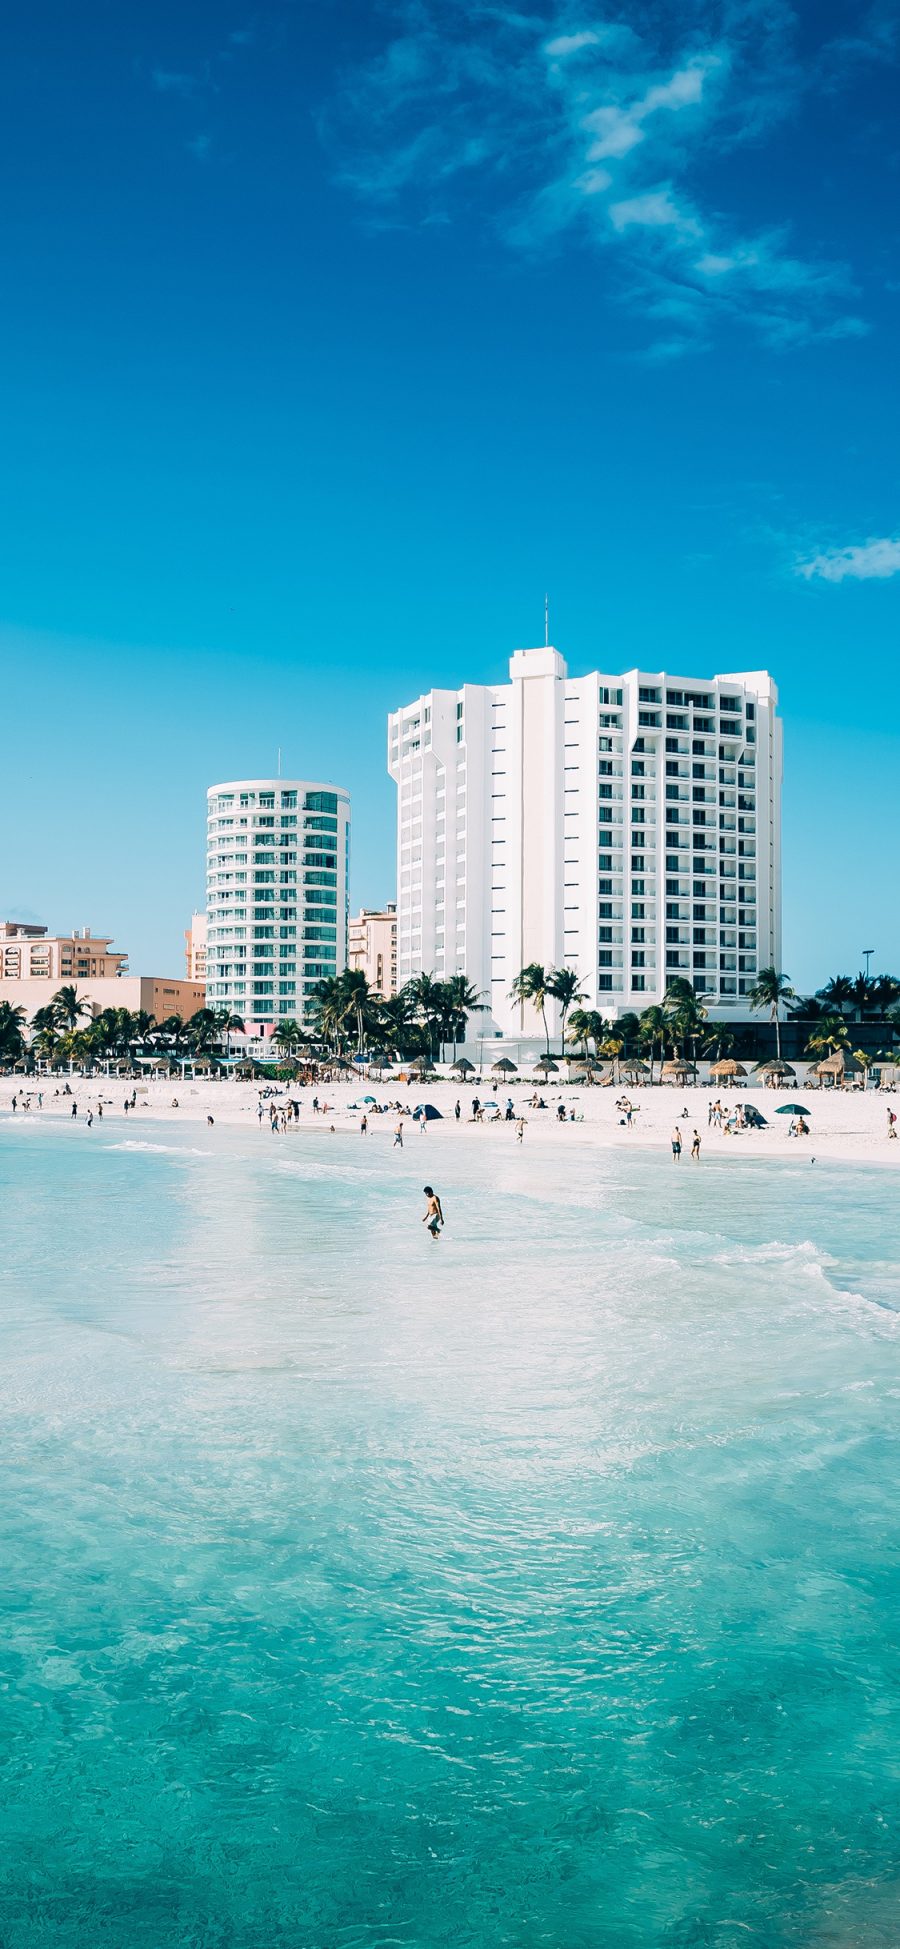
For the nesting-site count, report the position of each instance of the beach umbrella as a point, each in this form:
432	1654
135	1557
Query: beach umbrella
503	1067
727	1067
674	1072
792	1110
839	1064
634	1067
428	1111
370	1099
465	1067
418	1066
547	1064
774	1066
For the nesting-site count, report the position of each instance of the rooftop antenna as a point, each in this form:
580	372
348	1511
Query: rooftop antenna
279	761
546	622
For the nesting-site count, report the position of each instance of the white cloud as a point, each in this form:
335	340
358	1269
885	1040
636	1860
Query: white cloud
580	126
868	561
566	44
655	211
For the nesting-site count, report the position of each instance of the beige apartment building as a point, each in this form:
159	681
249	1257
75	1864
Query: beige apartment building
33	953
35	963
195	948
372	946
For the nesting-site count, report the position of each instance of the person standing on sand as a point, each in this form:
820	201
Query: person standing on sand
676	1144
457	1110
892	1123
74	1109
695	1147
520	1129
364	1125
434	1215
398	1136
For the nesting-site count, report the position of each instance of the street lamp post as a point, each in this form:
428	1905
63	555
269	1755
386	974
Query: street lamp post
867	956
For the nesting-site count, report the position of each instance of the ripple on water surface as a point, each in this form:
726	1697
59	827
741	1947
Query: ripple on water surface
534	1588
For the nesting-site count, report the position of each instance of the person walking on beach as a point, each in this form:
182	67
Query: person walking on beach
457	1110
364	1125
398	1136
891	1117
676	1144
695	1147
434	1215
520	1129
74	1109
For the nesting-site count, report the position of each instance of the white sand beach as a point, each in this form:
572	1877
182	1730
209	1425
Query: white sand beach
848	1126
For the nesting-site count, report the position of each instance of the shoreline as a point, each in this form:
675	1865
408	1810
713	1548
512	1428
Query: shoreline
847	1127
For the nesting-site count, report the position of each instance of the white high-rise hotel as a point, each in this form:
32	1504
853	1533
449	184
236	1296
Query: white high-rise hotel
276	895
627	827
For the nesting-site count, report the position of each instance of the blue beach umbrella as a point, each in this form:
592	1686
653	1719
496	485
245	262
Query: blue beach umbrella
792	1110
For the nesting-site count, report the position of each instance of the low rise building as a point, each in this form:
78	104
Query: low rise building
157	995
32	953
373	947
34	964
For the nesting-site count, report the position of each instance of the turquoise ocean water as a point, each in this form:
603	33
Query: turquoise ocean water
535	1588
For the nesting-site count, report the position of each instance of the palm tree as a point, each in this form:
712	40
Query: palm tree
530	985
69	1007
685	1015
329	1012
612	1049
228	1025
397	1029
171	1034
288	1035
627	1027
807	1008
837	993
428	996
45	1033
719	1042
580	1028
12	1040
462	1001
885	991
829	1034
862	991
653	1031
202	1031
769	990
564	985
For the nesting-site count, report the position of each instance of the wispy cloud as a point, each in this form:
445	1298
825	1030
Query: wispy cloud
171	81
580	126
867	561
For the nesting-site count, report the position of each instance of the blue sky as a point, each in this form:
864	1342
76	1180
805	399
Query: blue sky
334	335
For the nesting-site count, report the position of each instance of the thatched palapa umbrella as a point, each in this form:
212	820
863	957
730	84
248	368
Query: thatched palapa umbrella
547	1065
675	1072
726	1069
465	1067
503	1067
838	1065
